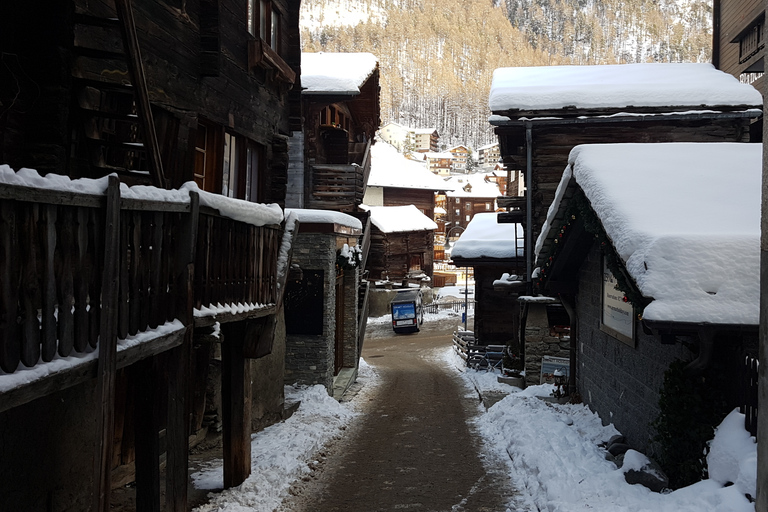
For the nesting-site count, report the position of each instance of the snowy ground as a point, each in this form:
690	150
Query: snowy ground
553	454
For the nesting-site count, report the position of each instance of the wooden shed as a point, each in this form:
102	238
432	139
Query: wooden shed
541	113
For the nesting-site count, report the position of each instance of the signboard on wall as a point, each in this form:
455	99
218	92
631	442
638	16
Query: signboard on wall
618	315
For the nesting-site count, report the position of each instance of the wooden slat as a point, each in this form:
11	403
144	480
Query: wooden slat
236	409
49	333
81	277
147	431
65	282
124	301
97	232
156	296
10	351
30	287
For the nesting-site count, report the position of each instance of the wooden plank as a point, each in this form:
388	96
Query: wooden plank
178	425
81	278
30	287
10	349
135	274
97	244
49	333
107	349
48	196
236	406
156	296
66	285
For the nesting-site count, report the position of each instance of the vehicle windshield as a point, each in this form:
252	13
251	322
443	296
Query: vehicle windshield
403	311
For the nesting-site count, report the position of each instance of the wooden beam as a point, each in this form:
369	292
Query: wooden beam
147	433
236	405
139	80
105	388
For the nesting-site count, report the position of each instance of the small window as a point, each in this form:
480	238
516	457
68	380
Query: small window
230	167
458	200
487	207
274	32
458	213
468	219
467	206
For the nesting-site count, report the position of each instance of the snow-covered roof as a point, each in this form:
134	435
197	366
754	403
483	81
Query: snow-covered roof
479	187
488	146
423	131
391	169
434	155
337	73
685	220
397	219
618	86
309	216
486	238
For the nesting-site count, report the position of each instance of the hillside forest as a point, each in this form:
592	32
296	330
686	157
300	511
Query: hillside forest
437	57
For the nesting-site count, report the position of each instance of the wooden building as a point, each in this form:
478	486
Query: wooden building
439	163
540	114
647	286
461	154
329	166
159	93
331	162
402	242
471	194
493	249
738	39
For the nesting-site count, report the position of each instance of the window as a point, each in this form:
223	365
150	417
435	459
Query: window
264	22
467	205
467	218
458	200
752	40
231	166
242	166
458	212
487	207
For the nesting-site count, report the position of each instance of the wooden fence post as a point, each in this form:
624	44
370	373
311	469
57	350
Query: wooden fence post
236	405
179	364
105	376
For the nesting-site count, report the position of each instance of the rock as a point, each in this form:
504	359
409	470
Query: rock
639	469
618	448
618	438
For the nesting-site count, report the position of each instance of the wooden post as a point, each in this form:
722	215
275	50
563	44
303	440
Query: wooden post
179	364
147	433
105	376
236	405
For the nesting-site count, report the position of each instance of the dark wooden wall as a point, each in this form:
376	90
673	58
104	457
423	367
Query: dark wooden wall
185	80
735	16
390	253
552	145
476	205
497	314
422	199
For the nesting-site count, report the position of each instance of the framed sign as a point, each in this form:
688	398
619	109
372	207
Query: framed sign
618	316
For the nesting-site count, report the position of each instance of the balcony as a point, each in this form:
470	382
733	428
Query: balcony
341	186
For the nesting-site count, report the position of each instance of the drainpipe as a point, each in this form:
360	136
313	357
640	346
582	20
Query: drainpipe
568	304
529	206
706	348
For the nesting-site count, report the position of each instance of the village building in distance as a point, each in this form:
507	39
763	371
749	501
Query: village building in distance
410	140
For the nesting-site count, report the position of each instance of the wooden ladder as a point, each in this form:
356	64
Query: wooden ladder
115	131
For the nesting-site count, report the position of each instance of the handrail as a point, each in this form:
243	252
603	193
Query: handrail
365	244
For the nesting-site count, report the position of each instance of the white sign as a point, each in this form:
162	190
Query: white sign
618	313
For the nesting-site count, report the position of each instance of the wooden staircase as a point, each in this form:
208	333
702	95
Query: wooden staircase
114	130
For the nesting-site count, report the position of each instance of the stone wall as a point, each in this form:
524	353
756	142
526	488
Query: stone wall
309	358
350	318
619	382
540	341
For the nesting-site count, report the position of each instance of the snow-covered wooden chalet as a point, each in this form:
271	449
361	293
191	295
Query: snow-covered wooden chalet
738	39
650	272
541	113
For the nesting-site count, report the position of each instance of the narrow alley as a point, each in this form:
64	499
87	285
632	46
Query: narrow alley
414	448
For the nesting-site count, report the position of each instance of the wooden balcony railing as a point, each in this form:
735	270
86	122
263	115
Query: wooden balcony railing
61	258
341	187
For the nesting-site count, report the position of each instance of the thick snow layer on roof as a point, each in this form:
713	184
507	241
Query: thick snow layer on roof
307	216
340	73
389	168
486	238
398	219
478	186
618	86
685	219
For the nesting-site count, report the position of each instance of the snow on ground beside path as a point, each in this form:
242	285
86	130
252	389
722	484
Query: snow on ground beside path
281	454
556	463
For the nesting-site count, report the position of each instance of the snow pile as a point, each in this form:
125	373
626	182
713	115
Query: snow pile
338	73
685	219
279	454
557	464
486	238
618	86
399	219
352	255
733	455
389	168
256	214
307	216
